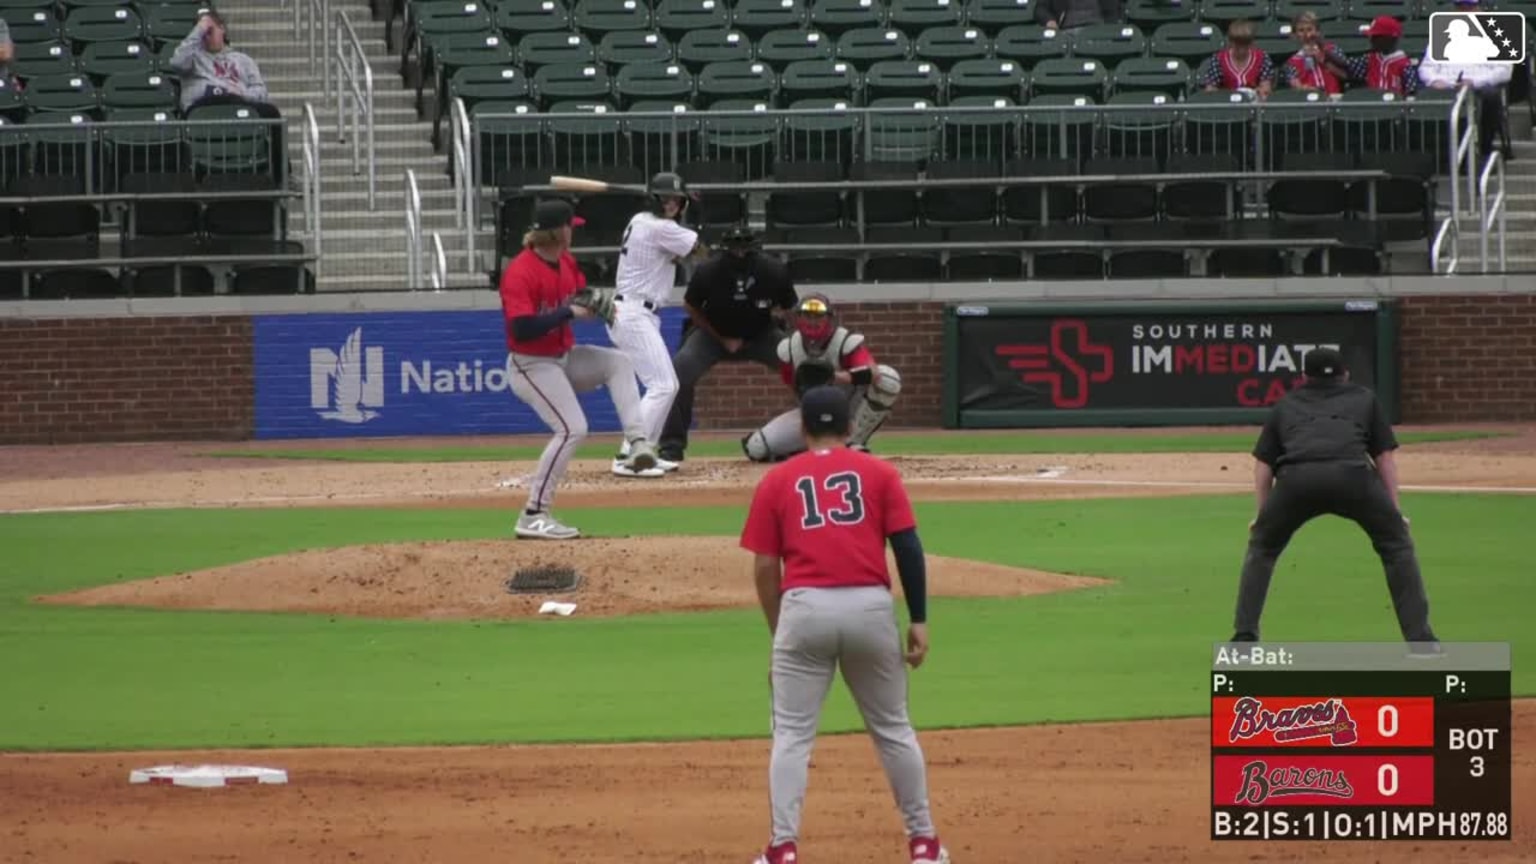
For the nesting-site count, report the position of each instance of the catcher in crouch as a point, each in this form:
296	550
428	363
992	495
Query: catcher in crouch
819	351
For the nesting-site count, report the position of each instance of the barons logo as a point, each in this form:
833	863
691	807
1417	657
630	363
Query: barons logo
1260	783
1328	718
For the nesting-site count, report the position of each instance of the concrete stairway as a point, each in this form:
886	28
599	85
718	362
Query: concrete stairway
1520	230
364	250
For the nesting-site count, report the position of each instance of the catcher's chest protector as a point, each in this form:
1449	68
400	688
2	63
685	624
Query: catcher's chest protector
839	346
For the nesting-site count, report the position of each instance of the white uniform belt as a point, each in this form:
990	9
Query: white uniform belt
649	306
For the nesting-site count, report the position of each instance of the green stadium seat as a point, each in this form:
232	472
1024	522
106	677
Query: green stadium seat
1365	10
1293	124
15	150
1039	205
676	17
154	145
1109	43
1370	121
518	18
1188	41
1274	38
986	128
1352	42
914	16
1139	125
454	51
1219	124
746	139
102	24
806	207
1326	11
1166	75
476	84
1028	44
902	130
545	49
1419	27
835	80
780	48
821	129
668	136
572	82
870	45
585	132
432	18
668	82
168	23
138	90
961	205
887	206
756	18
70	93
163	56
836	17
996	262
597	17
1152	14
1224	12
909	255
904	79
1064	133
510	138
238	145
621	48
42	58
699	48
946	46
41	26
107	58
991	16
737	80
1070	76
989	78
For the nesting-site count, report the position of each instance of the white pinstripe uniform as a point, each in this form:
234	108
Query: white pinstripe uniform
646	273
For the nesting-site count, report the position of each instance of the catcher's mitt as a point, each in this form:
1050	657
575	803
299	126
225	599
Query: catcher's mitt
813	373
598	300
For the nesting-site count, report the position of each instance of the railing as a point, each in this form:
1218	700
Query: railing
463	181
1462	156
1492	211
439	263
309	19
1448	237
99	155
413	242
313	190
354	90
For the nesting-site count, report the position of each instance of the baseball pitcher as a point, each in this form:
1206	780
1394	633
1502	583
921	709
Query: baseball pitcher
653	243
821	352
818	526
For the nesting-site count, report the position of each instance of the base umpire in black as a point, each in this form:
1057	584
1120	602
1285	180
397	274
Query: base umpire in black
1327	448
734	301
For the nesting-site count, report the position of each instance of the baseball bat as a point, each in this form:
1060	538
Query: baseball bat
586	184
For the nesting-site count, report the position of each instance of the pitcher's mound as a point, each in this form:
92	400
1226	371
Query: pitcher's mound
619	576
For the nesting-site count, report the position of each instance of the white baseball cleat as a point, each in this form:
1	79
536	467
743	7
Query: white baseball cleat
667	466
619	470
542	526
638	459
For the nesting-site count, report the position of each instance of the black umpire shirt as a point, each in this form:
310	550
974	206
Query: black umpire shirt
1325	421
738	295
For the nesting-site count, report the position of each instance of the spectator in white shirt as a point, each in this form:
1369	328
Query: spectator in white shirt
1486	81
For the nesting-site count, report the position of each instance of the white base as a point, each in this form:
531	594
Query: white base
208	776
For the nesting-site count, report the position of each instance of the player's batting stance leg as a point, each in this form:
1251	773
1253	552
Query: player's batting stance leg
637	332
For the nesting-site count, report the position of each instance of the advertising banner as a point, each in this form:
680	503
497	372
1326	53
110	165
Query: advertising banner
387	374
1152	364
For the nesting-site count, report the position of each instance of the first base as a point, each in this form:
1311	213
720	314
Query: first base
208	776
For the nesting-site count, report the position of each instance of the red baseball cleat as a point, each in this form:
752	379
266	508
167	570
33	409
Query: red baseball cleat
926	849
784	853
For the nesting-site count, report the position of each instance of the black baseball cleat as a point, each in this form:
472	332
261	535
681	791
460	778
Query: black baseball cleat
1244	637
669	454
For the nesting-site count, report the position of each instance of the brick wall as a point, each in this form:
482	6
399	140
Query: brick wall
66	380
1469	358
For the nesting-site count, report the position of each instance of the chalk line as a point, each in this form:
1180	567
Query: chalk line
1209	484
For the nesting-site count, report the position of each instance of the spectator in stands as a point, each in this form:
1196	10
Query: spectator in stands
1317	65
7	53
1486	81
1240	65
1385	66
213	73
1072	14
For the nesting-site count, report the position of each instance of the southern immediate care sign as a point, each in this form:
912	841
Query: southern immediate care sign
1014	366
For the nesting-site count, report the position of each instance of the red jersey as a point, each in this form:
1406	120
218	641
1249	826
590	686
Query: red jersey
1315	75
532	285
1249	73
827	514
853	361
1387	72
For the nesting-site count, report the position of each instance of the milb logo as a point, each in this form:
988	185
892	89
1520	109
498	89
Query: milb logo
1071	356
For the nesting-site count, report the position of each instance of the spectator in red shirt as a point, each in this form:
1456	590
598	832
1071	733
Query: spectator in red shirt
819	524
1240	65
1316	65
1385	67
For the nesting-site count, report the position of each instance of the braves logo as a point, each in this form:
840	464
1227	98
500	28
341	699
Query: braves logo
1071	356
1327	719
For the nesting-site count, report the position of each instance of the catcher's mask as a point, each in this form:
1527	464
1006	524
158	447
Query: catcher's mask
739	240
665	186
815	322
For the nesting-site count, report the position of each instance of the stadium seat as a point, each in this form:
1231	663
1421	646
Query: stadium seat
821	129
1148	264
1312	198
781	48
514	207
1188	41
992	16
1151	14
720	208
34	59
868	46
885	206
75	283
1066	133
608	214
1200	200
1166	75
102	59
1219	123
516	19
748	138
69	93
476	84
1109	43
737	79
1246	263
1365	10
596	18
982	128
989	77
572	82
659	142
56	231
138	90
676	17
652	82
757	18
1130	200
40	27
1274	38
184	280
86	24
510	137
1029	44
177	219
1326	10
1370	121
1405	202
1082	259
169	23
272	279
621	48
238	145
904	79
960	205
15	151
546	49
1069	77
836	17
914	16
984	264
455	51
1293	122
1039	205
154	144
1223	12
699	48
902	130
821	79
915	260
1139	125
584	132
823	267
255	217
808	207
945	47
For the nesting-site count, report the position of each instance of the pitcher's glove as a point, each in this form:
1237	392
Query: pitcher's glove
813	373
598	300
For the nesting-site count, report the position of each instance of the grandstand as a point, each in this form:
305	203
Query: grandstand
873	140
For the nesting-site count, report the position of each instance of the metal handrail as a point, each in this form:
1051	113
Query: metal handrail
313	193
458	156
313	31
1463	152
439	263
1493	212
1448	233
359	88
412	231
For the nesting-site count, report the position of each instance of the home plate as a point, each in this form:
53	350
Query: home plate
208	776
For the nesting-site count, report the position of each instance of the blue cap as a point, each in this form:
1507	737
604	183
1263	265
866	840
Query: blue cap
824	411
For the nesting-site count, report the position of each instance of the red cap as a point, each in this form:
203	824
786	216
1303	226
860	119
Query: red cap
1386	25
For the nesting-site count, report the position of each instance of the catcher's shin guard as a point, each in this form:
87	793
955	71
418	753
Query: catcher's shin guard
872	405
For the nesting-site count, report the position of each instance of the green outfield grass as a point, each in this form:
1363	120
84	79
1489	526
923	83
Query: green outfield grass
1020	443
78	678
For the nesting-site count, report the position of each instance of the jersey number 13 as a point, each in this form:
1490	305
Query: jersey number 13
850	509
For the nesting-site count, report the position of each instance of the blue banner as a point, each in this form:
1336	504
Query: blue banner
385	374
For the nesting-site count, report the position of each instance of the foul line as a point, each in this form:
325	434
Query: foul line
1210	484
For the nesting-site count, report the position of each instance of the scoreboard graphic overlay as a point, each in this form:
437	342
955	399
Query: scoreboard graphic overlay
1360	741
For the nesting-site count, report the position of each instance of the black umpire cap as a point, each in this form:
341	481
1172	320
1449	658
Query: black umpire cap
739	237
1323	363
824	411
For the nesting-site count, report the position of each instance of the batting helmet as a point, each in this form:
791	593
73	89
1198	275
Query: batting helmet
667	185
815	321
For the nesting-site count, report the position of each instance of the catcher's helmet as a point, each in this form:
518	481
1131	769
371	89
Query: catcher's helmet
739	238
815	321
667	185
